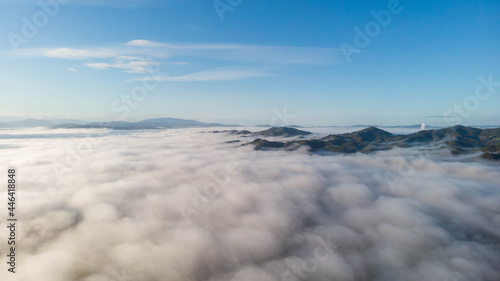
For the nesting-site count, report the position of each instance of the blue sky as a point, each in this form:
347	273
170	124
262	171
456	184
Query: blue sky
252	62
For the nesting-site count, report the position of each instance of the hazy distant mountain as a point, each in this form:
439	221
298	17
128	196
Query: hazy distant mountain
65	121
171	123
458	139
415	126
270	126
148	124
28	123
70	126
179	123
106	125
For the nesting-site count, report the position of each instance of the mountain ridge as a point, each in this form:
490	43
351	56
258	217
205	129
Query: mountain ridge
458	139
271	132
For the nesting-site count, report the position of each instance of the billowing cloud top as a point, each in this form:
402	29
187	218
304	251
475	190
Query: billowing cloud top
185	205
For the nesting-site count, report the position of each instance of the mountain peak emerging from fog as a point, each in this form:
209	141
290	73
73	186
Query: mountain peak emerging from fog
458	139
284	132
271	132
369	134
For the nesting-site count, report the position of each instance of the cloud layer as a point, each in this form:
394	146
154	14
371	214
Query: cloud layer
184	205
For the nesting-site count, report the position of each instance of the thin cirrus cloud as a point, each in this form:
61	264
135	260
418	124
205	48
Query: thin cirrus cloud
257	53
238	52
138	66
227	61
220	52
76	54
143	43
207	75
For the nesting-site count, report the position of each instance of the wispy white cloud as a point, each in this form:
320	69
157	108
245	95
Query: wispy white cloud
260	54
69	53
177	63
128	58
72	69
190	26
136	56
138	66
256	53
143	43
208	75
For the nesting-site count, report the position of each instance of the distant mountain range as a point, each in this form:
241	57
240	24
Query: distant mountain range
158	123
32	123
458	139
28	123
148	124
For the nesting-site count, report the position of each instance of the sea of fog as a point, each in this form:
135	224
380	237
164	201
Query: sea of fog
100	205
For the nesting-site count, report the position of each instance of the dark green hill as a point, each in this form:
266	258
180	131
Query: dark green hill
282	132
458	139
271	132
